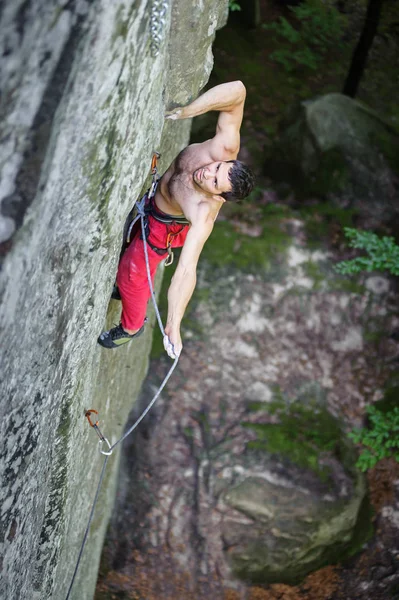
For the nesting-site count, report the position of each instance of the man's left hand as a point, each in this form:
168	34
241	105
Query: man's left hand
172	343
174	114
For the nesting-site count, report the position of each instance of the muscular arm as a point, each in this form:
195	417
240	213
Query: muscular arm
183	282
224	97
228	99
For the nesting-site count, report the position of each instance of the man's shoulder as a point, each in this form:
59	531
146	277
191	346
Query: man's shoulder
203	214
195	156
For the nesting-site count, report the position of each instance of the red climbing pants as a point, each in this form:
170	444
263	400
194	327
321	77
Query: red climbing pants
132	278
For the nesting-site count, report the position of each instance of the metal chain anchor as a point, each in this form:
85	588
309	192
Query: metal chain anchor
159	9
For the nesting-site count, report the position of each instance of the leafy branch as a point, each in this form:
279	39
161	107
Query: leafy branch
382	253
381	438
319	28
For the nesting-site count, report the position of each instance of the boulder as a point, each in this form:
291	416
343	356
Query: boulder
303	505
340	149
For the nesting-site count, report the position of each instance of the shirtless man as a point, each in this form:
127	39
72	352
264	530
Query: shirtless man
190	194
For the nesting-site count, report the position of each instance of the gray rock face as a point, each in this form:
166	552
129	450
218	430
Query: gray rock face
339	148
82	111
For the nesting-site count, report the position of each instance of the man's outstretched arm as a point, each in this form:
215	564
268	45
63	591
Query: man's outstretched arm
228	99
224	97
184	279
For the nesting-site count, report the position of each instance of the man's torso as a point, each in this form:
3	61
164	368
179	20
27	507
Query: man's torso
177	193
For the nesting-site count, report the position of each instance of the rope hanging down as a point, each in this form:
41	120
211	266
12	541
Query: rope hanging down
111	448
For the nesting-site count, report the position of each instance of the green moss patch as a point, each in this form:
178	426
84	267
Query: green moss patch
121	26
302	433
229	246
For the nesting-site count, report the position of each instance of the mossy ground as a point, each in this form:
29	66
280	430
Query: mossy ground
303	432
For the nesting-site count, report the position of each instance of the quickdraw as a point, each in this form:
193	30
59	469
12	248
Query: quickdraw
155	176
96	428
169	240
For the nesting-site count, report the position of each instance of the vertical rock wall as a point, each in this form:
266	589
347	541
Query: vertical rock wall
82	109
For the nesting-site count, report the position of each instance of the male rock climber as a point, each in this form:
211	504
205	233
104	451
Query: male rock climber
182	213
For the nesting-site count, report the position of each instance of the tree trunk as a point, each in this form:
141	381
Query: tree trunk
360	54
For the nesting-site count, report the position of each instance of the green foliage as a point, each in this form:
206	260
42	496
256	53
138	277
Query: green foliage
233	5
383	253
381	438
318	29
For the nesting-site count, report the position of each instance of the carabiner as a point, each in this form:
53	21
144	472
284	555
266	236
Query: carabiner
95	425
109	446
154	162
87	415
169	259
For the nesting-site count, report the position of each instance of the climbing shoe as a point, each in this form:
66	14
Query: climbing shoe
116	337
116	295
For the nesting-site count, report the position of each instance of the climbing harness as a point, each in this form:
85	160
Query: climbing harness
158	20
147	204
107	453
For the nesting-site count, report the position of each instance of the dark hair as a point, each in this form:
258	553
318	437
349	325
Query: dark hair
242	181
